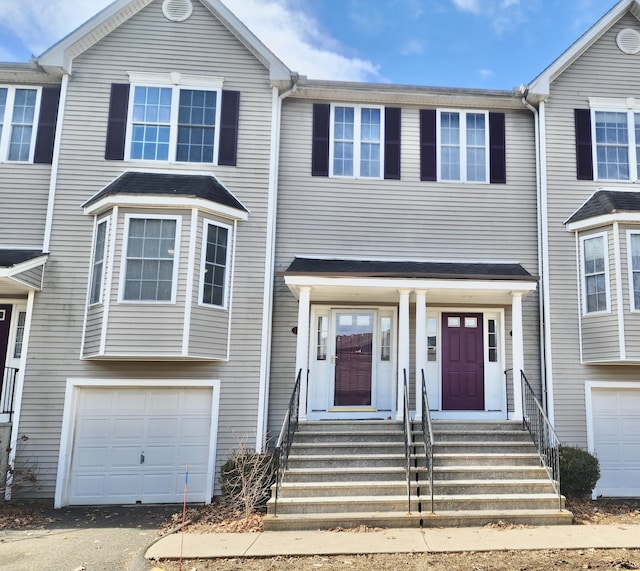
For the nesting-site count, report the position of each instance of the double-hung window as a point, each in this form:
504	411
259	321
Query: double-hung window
18	110
633	245
150	261
356	141
215	264
97	269
463	143
595	273
178	123
617	136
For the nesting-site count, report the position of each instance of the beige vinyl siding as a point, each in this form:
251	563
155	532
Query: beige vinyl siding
150	43
93	330
31	277
602	71
631	315
403	220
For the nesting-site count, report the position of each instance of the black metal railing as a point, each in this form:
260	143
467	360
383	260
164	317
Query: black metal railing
508	382
544	436
408	440
283	446
427	434
8	391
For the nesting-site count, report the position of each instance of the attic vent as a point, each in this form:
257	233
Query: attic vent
177	10
628	41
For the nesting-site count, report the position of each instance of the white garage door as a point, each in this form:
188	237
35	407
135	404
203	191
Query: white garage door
134	444
616	435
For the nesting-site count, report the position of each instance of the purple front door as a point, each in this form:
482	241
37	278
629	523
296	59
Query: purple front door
462	362
5	322
354	359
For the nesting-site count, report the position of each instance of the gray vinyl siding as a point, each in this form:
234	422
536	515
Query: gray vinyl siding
93	330
147	42
602	71
24	194
398	219
631	315
31	277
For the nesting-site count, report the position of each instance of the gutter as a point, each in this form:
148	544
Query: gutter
269	265
546	369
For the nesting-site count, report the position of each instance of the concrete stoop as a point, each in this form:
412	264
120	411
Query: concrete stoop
351	473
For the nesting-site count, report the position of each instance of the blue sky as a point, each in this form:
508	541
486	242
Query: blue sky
488	44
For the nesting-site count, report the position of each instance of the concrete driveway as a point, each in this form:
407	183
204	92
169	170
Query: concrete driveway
84	538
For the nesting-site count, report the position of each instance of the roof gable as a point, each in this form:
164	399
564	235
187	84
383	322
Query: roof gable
61	55
539	88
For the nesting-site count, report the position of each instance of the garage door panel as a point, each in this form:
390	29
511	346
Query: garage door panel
616	438
155	423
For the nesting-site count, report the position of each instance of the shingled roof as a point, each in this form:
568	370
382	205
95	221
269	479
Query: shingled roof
10	258
604	202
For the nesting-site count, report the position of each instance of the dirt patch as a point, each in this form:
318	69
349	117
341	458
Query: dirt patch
469	561
604	512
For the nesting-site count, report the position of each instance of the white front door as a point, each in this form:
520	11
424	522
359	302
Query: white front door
352	363
134	445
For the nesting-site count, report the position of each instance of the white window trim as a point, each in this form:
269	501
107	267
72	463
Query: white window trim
5	138
632	299
357	141
463	145
105	220
631	143
123	261
227	276
174	81
583	277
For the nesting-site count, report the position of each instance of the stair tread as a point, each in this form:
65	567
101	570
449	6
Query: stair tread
385	515
396	498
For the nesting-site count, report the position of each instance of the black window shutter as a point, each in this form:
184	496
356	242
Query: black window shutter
46	134
497	149
584	157
320	140
428	167
229	115
117	122
392	143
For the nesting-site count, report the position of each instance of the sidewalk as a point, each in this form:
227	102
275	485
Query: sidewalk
272	543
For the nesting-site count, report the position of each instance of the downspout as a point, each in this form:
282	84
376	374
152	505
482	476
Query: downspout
53	181
269	264
546	373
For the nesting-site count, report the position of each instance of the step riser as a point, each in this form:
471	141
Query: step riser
481	437
477	473
478	426
338	449
506	503
320	491
403	520
528	460
349	426
332	476
497	487
351	507
483	448
346	462
328	437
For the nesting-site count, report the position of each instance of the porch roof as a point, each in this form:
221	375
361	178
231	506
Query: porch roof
13	257
373	281
603	207
409	269
21	270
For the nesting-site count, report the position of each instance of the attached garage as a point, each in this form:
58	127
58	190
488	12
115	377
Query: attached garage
615	439
134	444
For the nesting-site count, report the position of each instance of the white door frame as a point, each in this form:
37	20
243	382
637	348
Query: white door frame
63	479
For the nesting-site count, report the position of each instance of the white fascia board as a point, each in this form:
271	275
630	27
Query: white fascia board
98	27
155	201
541	84
278	71
604	220
23	267
411	284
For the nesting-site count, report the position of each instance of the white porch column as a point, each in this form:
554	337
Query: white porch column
421	346
302	347
517	341
403	348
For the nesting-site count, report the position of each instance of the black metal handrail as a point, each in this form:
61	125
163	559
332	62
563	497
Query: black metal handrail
543	434
8	391
408	439
283	446
427	435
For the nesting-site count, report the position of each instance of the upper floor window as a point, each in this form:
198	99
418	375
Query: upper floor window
595	273
356	141
97	270
150	261
633	244
173	124
463	140
215	254
18	123
616	144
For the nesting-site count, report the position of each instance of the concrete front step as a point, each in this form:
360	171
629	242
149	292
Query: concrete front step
490	472
483	426
346	489
349	426
346	461
477	436
504	486
356	475
284	522
344	504
483	448
346	448
326	436
476	459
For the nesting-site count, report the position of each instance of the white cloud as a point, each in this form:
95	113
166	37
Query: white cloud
412	47
293	35
468	5
486	73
